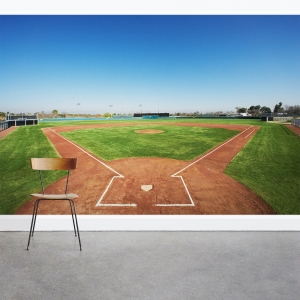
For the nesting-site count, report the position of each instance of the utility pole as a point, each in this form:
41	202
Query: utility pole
111	108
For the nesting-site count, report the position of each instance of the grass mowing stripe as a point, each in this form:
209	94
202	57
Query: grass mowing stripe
184	143
17	178
269	165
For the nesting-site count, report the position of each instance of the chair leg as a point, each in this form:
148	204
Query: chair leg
76	222
34	213
72	216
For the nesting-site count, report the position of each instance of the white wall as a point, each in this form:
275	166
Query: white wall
153	223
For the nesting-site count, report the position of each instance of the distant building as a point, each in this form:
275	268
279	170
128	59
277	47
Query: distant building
244	115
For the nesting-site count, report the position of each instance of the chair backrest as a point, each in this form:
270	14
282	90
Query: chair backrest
41	164
53	163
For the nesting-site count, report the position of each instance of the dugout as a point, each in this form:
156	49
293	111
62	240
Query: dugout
151	115
18	120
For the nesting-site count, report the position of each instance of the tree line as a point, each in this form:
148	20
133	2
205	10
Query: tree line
257	110
254	110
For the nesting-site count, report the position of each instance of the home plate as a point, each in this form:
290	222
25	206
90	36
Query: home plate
146	187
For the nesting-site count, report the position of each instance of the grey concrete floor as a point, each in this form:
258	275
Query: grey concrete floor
150	265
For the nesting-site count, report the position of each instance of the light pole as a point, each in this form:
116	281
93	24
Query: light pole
77	103
122	107
141	108
111	112
73	102
158	106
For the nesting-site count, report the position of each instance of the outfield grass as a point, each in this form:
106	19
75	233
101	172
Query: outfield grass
241	121
17	179
177	142
268	164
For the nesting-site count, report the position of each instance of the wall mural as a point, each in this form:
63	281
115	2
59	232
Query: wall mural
161	111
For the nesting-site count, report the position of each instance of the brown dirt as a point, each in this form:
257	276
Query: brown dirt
7	131
211	191
149	131
293	128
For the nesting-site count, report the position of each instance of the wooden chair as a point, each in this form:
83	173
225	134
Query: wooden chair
41	164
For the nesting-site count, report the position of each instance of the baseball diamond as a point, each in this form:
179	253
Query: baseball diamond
154	185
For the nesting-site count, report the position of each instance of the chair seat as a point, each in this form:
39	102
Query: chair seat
55	196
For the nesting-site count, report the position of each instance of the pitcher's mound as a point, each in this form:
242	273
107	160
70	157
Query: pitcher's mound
149	131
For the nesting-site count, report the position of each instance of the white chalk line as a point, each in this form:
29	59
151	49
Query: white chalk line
207	154
186	189
99	161
175	174
249	134
107	188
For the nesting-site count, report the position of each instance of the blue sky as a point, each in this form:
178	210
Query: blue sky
169	63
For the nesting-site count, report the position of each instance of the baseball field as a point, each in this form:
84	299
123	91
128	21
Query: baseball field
163	166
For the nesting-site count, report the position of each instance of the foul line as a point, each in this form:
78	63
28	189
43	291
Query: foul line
111	181
175	174
248	134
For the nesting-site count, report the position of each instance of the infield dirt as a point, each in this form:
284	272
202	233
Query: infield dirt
202	187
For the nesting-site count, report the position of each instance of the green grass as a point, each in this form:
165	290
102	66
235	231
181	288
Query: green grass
17	178
182	143
269	165
155	121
